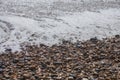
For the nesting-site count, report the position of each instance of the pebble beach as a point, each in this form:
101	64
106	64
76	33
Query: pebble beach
89	60
59	39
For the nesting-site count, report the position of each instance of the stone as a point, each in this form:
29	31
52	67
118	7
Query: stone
84	79
117	36
8	50
94	40
57	63
15	60
26	75
1	71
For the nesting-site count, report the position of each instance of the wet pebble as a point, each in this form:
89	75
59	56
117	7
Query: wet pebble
90	60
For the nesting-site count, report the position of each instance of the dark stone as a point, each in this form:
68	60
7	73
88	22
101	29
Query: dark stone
54	75
97	70
43	65
1	64
79	78
22	78
94	40
32	68
8	50
118	65
64	41
102	57
27	58
96	75
15	61
85	55
42	45
78	45
117	36
1	71
37	78
78	69
47	63
73	75
57	63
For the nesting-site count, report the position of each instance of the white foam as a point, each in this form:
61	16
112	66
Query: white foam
75	26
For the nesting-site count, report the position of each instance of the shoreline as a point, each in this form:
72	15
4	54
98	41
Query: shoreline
90	60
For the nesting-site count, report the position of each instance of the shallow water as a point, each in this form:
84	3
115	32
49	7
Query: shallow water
51	22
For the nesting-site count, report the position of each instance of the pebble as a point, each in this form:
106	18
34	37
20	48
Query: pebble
1	71
15	60
6	76
8	50
94	40
26	75
84	79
